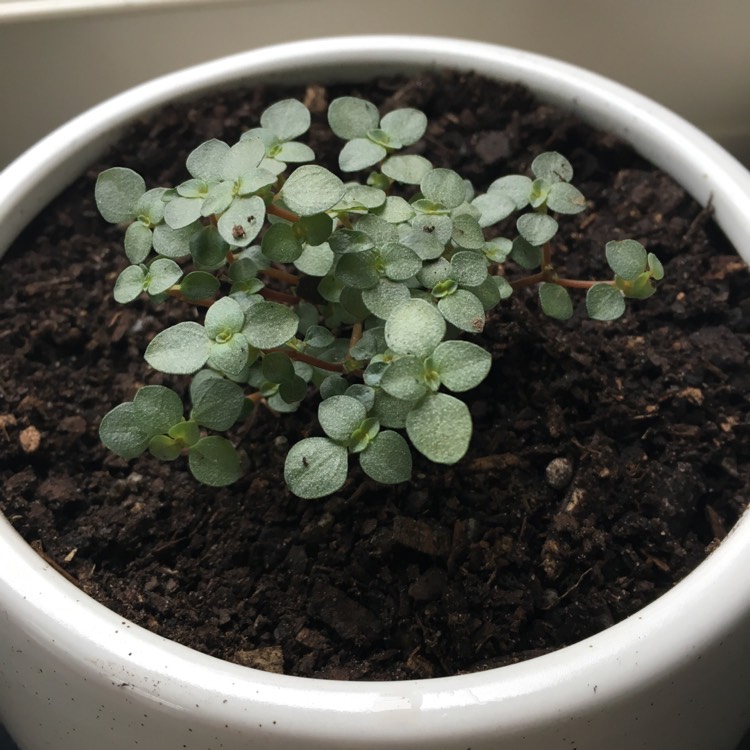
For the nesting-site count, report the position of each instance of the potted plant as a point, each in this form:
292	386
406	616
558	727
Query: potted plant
651	680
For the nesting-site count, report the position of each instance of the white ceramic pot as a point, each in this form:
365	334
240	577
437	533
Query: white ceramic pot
674	676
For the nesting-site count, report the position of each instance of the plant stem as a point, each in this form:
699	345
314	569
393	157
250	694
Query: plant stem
281	275
282	213
273	296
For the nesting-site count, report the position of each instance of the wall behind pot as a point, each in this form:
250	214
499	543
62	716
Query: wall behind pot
58	57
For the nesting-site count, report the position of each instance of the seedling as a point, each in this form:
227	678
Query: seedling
342	290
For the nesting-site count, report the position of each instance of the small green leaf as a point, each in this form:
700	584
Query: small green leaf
163	273
467	232
445	187
205	162
311	189
241	223
565	199
396	210
407	125
399	262
277	367
604	302
391	411
655	267
350	117
157	408
360	153
552	167
315	467
408	169
243	158
121	433
414	327
217	404
269	324
627	258
404	379
383	299
493	207
463	310
461	365
138	242
536	229
181	212
555	301
358	270
229	355
440	428
387	459
117	193
315	260
224	317
339	416
280	243
287	119
185	433
130	283
164	448
516	187
208	249
174	243
527	256
181	349
214	461
468	268
199	285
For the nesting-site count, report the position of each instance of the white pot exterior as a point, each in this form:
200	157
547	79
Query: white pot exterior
674	676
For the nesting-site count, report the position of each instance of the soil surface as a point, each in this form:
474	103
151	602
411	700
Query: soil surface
607	459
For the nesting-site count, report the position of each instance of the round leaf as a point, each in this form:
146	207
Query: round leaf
217	404
440	428
205	162
117	193
387	459
555	301
174	243
311	189
315	467
179	350
280	243
138	241
287	119
444	186
627	258
404	379
198	285
415	327
121	433
463	310
129	284
163	273
360	153
350	117
604	302
339	416
408	169
240	224
536	229
224	316
269	324
461	365
157	408
552	167
383	299
493	207
516	187
214	461
565	199
405	125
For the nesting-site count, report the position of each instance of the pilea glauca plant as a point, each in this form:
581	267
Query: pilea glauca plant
363	294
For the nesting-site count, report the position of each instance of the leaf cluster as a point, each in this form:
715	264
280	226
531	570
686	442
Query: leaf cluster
316	283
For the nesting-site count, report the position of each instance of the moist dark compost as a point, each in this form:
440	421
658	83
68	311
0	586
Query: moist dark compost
607	460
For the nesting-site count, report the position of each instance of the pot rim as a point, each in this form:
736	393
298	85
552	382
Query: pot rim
616	660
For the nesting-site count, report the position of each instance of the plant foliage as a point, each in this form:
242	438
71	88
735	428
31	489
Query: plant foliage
365	293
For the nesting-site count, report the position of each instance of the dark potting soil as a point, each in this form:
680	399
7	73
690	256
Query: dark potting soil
608	458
